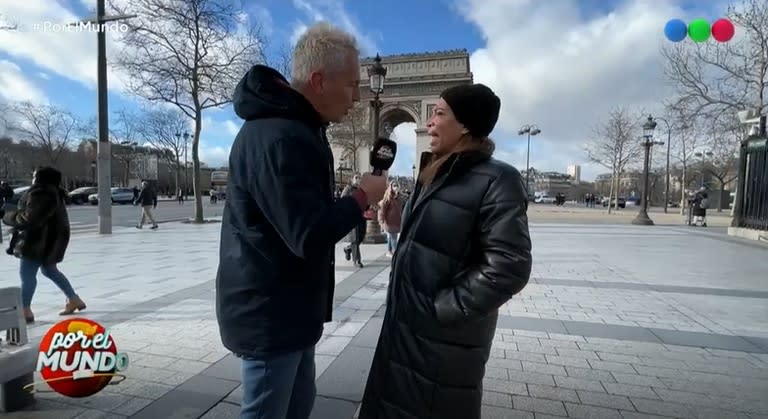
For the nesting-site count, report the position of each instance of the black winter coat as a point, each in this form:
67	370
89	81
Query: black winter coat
41	224
464	251
275	281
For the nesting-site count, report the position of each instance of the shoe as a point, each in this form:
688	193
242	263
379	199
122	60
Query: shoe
347	253
72	305
389	254
359	265
139	227
154	227
29	316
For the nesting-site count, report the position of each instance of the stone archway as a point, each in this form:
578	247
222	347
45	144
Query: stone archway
411	89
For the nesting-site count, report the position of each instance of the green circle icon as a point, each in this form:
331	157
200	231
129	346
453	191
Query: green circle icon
699	30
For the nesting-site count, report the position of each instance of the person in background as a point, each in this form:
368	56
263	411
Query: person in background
41	236
148	200
357	235
390	216
281	222
464	251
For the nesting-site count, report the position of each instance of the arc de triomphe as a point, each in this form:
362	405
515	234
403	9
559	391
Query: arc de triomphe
411	89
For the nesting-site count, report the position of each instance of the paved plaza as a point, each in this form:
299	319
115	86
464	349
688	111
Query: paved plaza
618	321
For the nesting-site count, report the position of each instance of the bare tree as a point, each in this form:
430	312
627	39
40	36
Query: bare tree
282	61
126	137
712	78
191	54
48	127
162	128
685	142
723	143
615	145
352	134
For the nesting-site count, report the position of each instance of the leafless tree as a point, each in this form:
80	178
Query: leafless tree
188	53
714	79
281	61
615	145
351	134
722	143
48	127
161	128
685	142
126	137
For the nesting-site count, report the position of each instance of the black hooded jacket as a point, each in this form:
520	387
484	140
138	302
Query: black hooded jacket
275	282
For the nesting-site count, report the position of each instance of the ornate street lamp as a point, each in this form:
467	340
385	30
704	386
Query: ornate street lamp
377	74
530	130
648	127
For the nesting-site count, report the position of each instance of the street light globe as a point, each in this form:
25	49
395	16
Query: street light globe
377	73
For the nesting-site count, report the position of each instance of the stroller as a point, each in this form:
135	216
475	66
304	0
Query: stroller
697	209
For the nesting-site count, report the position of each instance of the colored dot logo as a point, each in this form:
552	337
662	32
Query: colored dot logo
78	358
699	30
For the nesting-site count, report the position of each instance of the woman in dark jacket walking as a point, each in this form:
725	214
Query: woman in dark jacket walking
41	237
464	251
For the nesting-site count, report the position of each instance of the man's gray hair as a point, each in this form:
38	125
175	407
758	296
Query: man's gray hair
322	47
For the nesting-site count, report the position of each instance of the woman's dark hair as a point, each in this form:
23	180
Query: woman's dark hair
47	176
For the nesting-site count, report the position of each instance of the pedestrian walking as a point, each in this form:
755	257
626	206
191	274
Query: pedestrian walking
464	251
281	222
148	200
40	239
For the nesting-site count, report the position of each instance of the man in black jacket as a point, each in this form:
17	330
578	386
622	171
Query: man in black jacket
148	200
281	221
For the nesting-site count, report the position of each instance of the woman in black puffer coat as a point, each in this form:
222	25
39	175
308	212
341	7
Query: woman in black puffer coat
464	251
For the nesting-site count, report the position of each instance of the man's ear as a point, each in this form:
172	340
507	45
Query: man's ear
317	81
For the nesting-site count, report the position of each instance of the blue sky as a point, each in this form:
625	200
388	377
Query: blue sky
561	64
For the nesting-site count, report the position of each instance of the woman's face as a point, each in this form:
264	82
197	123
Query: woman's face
444	130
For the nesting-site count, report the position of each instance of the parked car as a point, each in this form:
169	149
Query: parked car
80	195
119	196
622	202
545	199
11	204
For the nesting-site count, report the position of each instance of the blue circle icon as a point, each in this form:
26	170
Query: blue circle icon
676	30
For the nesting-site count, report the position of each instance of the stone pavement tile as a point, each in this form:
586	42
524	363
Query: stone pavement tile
637	415
579	384
223	411
525	356
705	340
590	374
638	380
345	378
133	405
332	345
626	359
45	408
368	336
605	400
98	414
332	408
322	362
509	364
662	408
658	371
141	388
493	398
193	398
580	353
543	368
531	377
567	361
497	373
619	389
521	323
506	387
235	396
539	391
227	368
714	413
104	401
591	412
529	404
611	366
494	412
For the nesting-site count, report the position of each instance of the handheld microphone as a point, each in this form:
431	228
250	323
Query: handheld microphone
382	155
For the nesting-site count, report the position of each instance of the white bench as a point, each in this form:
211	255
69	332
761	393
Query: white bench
17	356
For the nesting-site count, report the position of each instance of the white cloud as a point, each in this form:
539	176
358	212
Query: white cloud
15	86
43	40
218	129
214	156
564	72
405	136
331	11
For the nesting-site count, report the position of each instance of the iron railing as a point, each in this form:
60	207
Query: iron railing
751	203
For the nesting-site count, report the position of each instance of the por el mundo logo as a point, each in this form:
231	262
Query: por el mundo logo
78	358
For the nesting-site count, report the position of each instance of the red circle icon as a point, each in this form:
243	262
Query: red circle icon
723	30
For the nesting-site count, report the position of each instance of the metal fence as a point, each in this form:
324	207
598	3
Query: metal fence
751	204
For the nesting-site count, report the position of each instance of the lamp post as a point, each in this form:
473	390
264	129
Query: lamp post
103	153
530	130
703	156
669	141
186	167
376	73
648	127
93	171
